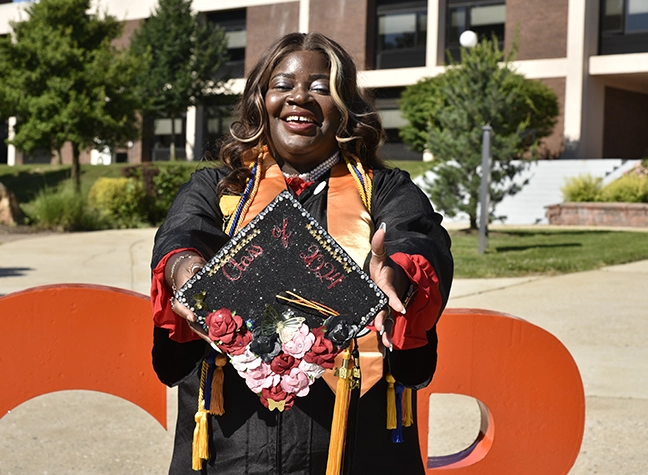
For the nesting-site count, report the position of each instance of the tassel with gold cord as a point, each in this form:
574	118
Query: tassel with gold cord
217	402
200	447
340	416
391	402
408	417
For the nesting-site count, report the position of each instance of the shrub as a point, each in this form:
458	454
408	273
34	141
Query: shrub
121	200
63	210
582	188
166	184
161	183
630	188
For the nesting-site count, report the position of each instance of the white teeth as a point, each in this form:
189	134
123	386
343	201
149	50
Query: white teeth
299	118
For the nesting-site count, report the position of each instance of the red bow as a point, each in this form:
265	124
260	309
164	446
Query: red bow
297	184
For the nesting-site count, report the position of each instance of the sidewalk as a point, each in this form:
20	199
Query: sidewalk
599	315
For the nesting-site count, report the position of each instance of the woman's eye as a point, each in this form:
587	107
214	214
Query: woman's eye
321	88
282	86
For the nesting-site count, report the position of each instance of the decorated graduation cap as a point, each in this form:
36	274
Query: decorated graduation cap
281	299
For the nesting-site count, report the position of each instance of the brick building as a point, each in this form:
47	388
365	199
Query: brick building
592	53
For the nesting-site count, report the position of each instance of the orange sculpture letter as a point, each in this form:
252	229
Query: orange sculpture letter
67	336
529	390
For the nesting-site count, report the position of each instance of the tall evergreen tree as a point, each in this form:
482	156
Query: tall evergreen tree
446	114
185	53
65	82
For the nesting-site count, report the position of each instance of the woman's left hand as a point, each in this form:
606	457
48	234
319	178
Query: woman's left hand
392	280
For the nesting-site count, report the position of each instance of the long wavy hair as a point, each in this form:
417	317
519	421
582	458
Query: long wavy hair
360	131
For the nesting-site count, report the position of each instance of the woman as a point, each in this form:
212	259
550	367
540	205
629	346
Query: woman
304	125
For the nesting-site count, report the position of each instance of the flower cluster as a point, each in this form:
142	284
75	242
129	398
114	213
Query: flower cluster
278	363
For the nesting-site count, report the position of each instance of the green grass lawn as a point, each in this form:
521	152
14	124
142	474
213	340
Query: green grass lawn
515	253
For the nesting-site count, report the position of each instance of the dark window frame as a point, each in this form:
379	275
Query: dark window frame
415	54
624	15
454	46
620	40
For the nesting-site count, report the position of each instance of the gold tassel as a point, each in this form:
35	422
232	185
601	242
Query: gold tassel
408	418
391	402
200	449
217	402
340	417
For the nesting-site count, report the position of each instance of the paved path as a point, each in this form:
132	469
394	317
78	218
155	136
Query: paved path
601	316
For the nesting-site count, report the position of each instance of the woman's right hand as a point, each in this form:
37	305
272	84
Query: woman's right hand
178	270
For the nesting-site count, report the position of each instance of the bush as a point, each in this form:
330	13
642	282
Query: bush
121	200
630	188
161	183
582	188
63	210
166	184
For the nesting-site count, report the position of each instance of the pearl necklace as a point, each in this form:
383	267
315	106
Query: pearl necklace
318	171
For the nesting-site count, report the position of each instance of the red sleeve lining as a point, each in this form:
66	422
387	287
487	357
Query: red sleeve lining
423	311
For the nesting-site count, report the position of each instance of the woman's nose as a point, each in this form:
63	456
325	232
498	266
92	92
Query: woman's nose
300	95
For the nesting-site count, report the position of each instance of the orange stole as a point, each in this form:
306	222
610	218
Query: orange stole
351	226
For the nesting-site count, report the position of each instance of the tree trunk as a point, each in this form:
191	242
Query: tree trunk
59	157
76	168
473	221
172	150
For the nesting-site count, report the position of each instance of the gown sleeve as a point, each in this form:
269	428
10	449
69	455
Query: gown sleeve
417	242
194	222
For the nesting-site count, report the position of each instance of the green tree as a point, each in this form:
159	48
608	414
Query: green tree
185	53
446	114
64	81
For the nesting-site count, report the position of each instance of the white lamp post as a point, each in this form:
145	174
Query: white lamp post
468	39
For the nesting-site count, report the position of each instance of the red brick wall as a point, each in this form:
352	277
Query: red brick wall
265	24
542	28
625	124
345	21
553	145
599	214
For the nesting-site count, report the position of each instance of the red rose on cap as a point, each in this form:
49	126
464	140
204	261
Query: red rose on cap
237	346
223	325
283	362
322	352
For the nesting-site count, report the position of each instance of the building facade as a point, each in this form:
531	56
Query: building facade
592	53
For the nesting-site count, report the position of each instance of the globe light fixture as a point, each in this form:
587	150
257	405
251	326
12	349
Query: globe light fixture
468	39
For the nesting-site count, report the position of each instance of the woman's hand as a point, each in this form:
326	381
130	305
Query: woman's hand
391	279
178	270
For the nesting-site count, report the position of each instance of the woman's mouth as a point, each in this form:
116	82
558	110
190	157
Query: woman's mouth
300	122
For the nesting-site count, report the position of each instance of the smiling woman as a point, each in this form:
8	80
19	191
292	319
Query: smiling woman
306	129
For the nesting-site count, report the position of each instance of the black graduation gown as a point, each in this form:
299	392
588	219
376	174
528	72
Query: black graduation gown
249	439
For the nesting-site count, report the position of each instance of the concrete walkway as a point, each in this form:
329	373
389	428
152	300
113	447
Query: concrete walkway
601	316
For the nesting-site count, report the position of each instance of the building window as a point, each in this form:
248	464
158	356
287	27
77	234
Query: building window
234	24
162	138
401	34
387	103
486	18
624	26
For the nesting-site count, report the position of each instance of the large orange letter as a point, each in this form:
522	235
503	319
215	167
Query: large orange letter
529	389
67	336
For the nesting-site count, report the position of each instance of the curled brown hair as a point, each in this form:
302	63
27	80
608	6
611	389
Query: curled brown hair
360	131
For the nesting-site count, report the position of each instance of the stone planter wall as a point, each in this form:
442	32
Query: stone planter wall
599	214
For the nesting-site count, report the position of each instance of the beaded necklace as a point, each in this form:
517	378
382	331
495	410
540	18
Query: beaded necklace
318	171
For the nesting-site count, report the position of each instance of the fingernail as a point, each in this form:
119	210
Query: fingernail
391	347
382	330
383	226
404	311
